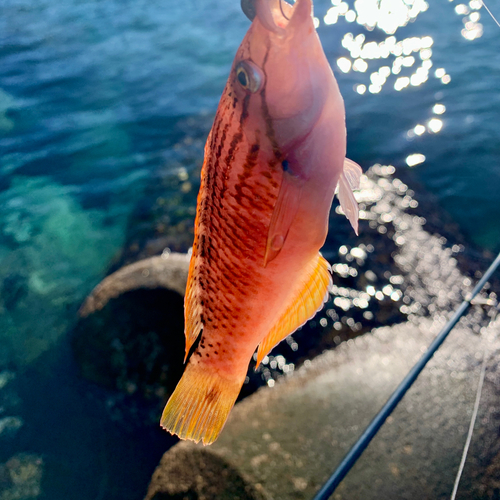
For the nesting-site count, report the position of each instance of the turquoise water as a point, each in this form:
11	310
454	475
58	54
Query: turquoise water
97	97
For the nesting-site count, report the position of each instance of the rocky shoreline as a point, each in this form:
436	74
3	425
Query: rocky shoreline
384	277
405	273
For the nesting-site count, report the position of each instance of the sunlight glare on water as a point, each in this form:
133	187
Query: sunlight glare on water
389	16
472	28
415	159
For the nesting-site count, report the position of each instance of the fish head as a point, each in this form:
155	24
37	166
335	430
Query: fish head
281	72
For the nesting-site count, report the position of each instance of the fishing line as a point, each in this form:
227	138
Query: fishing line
471	427
283	14
489	12
369	433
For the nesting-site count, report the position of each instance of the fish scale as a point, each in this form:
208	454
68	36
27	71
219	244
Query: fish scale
223	217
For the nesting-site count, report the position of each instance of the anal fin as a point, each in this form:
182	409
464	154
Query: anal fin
304	305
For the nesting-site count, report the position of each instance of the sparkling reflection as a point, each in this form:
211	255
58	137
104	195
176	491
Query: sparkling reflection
362	52
435	125
472	27
344	64
439	109
415	159
411	57
419	130
388	15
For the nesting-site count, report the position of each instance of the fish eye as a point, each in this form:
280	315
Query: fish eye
249	76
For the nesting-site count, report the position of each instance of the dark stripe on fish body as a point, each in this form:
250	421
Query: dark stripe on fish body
267	118
270	132
250	160
209	172
237	138
220	147
202	245
244	111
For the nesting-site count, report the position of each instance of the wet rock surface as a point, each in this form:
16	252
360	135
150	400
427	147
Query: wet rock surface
200	474
133	344
21	477
288	439
168	271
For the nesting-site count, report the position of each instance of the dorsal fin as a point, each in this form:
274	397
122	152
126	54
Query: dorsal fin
349	180
306	303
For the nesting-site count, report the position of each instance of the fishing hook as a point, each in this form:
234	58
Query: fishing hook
248	8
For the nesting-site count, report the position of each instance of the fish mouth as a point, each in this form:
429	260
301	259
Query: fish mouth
274	15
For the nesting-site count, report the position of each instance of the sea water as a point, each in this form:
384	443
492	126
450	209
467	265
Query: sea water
94	98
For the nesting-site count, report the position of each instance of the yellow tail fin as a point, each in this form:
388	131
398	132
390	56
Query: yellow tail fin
200	404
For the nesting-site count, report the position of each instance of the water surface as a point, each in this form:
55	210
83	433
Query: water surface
94	101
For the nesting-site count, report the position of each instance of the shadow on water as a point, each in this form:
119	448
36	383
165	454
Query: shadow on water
88	447
135	344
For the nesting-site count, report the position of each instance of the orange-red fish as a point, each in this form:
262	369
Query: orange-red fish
273	159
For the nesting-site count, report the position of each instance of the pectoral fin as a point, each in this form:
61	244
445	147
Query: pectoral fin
349	180
284	212
309	298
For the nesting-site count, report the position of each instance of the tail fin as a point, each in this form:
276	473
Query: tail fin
200	404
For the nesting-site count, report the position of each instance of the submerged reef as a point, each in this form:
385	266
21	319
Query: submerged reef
53	250
21	477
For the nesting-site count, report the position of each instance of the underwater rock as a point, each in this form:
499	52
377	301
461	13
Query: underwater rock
131	333
53	251
167	271
10	405
21	477
9	426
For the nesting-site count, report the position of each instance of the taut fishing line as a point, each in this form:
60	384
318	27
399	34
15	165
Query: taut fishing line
471	426
489	12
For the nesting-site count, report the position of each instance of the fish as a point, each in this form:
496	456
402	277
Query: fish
273	160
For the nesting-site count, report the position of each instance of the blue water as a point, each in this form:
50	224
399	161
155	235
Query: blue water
94	101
